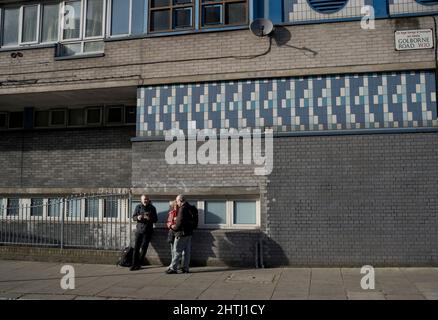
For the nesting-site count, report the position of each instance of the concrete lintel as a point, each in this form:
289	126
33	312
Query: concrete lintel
296	72
198	191
61	191
71	86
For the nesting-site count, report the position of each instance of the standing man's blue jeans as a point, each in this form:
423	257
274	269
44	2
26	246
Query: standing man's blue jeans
181	247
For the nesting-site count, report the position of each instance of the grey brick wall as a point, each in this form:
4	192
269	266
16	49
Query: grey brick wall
341	47
355	200
331	200
91	158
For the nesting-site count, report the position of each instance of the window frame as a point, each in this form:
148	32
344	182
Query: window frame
122	35
31	207
229	214
20	213
75	125
63	4
257	213
38	22
6	127
122	118
9	120
40	37
51	116
86	116
171	8
2	27
84	11
34	119
223	4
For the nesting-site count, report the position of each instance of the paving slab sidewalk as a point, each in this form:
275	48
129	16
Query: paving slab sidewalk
42	281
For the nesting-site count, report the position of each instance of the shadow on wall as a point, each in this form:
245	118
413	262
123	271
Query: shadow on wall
282	36
232	248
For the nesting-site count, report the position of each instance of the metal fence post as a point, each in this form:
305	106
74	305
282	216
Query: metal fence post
62	224
129	216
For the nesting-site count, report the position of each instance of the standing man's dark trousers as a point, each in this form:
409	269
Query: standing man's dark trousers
142	240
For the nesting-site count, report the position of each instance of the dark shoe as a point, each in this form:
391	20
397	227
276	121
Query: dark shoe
184	270
171	271
134	268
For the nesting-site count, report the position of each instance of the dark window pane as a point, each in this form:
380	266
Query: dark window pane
111	208
179	2
159	3
58	118
138	16
36	207
119	17
212	15
182	17
42	118
93	116
160	20
131	114
115	115
13	207
76	117
15	120
235	13
92	208
3	120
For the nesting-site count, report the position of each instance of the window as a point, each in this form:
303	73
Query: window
71	20
3	120
127	19
74	208
114	114
13	207
215	212
10	26
41	119
91	208
167	15
50	16
57	117
93	116
16	120
30	23
131	114
111	208
54	207
245	212
76	117
1	208
94	18
229	213
162	210
228	12
36	207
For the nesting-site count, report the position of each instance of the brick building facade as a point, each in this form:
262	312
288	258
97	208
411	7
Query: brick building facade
355	122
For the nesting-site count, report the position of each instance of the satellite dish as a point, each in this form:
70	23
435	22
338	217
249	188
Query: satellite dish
261	27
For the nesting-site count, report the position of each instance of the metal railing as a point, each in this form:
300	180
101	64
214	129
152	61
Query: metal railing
79	221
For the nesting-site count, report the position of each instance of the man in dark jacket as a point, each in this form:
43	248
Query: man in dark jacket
183	237
145	215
